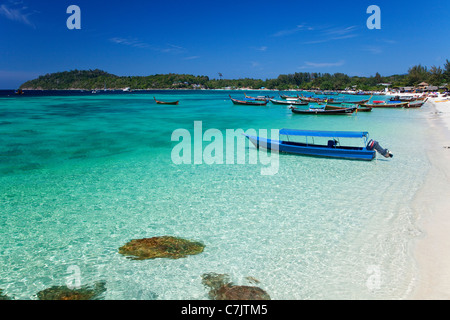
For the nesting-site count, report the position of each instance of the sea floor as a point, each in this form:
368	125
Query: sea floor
81	176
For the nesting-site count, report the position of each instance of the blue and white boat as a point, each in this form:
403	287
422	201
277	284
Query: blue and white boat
332	149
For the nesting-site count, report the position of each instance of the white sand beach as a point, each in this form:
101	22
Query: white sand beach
432	204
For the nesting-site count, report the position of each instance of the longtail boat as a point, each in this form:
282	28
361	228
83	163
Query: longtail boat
407	98
359	108
402	99
309	99
326	93
289	102
416	104
332	149
258	98
363	109
322	111
166	102
249	102
351	102
385	104
283	96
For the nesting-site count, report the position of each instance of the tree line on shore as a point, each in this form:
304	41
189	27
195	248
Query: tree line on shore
98	79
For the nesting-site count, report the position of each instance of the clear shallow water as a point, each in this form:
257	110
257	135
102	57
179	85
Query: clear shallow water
82	175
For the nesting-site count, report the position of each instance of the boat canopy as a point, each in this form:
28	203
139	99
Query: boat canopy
330	134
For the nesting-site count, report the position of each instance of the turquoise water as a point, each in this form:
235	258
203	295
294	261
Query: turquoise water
81	176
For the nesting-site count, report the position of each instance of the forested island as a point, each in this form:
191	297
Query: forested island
98	79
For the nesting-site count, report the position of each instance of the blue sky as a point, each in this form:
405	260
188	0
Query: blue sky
257	39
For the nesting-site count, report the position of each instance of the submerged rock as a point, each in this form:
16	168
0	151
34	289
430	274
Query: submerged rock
4	296
161	247
232	292
223	289
64	293
214	281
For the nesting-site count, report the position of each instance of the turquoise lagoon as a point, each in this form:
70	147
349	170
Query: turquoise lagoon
82	175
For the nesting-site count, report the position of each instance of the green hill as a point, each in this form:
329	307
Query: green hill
98	79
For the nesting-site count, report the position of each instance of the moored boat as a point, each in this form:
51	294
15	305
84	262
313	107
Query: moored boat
289	102
249	102
323	111
332	148
285	97
385	104
363	109
403	98
416	104
345	105
310	99
166	102
259	98
335	102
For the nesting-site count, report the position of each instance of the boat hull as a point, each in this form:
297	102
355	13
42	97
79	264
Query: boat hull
170	103
166	102
325	112
249	102
386	105
312	150
359	108
289	102
347	102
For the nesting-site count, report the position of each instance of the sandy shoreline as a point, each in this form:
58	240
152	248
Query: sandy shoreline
432	205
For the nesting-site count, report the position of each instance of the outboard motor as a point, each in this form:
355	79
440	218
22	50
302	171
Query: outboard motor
375	145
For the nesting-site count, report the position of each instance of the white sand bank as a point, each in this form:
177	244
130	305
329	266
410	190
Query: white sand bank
432	203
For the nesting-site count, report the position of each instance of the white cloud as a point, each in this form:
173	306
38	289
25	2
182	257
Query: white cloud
191	58
321	34
129	42
310	65
340	31
171	48
16	11
287	32
373	49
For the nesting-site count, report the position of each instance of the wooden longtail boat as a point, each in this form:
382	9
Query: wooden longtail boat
322	111
403	99
407	99
289	102
386	105
416	104
333	149
326	93
249	102
359	108
166	102
258	98
351	102
363	109
308	99
283	96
